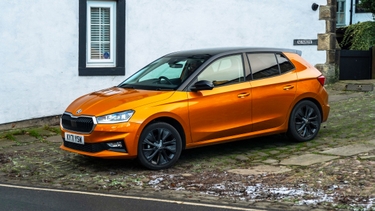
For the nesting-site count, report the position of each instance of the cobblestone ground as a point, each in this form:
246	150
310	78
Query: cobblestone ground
32	156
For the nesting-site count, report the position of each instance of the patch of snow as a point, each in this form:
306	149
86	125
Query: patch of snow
155	181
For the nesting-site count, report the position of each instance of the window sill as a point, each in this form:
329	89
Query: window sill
101	71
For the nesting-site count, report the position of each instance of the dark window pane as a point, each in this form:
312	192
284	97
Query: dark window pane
284	63
263	65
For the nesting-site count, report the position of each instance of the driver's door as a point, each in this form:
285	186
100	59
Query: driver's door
225	111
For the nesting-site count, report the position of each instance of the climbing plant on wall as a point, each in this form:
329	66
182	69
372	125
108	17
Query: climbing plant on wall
360	36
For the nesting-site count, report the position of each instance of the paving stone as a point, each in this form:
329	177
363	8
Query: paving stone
309	144
54	139
320	141
262	154
7	143
283	156
261	169
44	132
307	159
372	157
270	161
350	150
25	138
360	87
242	158
274	152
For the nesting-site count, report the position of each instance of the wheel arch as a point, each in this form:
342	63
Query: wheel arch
315	101
174	123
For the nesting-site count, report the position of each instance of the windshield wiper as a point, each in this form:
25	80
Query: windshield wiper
127	86
164	89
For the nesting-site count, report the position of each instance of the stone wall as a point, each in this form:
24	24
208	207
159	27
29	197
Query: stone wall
327	42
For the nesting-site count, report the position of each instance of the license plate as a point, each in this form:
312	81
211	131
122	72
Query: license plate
74	138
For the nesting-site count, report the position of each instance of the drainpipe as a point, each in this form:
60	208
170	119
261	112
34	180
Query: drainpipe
351	12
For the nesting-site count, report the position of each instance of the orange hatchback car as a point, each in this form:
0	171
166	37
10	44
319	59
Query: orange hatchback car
196	98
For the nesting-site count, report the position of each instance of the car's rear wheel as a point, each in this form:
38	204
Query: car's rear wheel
304	121
159	146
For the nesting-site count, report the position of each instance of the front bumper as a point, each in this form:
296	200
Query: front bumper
96	142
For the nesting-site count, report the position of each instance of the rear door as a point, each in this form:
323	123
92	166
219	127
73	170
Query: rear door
274	86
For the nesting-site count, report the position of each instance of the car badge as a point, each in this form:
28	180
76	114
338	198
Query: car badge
78	111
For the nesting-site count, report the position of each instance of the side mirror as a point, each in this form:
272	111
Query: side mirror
202	85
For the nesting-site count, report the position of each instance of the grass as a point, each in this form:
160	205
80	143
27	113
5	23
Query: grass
34	133
55	129
10	136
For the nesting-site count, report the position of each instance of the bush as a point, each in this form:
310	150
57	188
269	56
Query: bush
360	36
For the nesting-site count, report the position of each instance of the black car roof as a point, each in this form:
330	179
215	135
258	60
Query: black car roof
229	50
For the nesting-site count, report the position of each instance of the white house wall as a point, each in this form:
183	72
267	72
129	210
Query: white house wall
39	43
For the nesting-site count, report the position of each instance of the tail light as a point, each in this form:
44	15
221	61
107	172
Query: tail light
322	80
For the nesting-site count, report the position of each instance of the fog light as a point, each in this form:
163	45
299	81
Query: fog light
117	144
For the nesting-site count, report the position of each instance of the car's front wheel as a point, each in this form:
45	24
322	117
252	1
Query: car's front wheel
304	121
159	146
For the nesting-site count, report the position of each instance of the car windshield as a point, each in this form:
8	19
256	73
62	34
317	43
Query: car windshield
166	73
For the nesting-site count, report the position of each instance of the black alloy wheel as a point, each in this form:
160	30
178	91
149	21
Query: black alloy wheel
159	146
304	122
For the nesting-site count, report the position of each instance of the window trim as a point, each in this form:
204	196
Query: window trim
338	13
119	69
111	62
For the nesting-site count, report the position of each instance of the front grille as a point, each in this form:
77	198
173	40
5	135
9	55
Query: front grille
77	124
97	147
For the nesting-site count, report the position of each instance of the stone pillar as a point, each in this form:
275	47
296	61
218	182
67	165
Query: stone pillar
327	42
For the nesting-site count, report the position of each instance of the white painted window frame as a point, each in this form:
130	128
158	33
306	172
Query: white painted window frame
341	9
102	62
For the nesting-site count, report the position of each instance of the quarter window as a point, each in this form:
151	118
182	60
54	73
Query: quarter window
224	71
284	64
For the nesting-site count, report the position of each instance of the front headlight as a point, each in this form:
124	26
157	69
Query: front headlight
116	117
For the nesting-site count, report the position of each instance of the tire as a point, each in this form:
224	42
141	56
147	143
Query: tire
304	121
159	146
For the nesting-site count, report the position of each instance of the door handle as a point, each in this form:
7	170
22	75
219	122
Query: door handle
243	95
288	87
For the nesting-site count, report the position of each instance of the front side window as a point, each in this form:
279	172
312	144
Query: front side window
224	71
101	34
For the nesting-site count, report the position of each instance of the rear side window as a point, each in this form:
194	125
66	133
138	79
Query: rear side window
265	65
